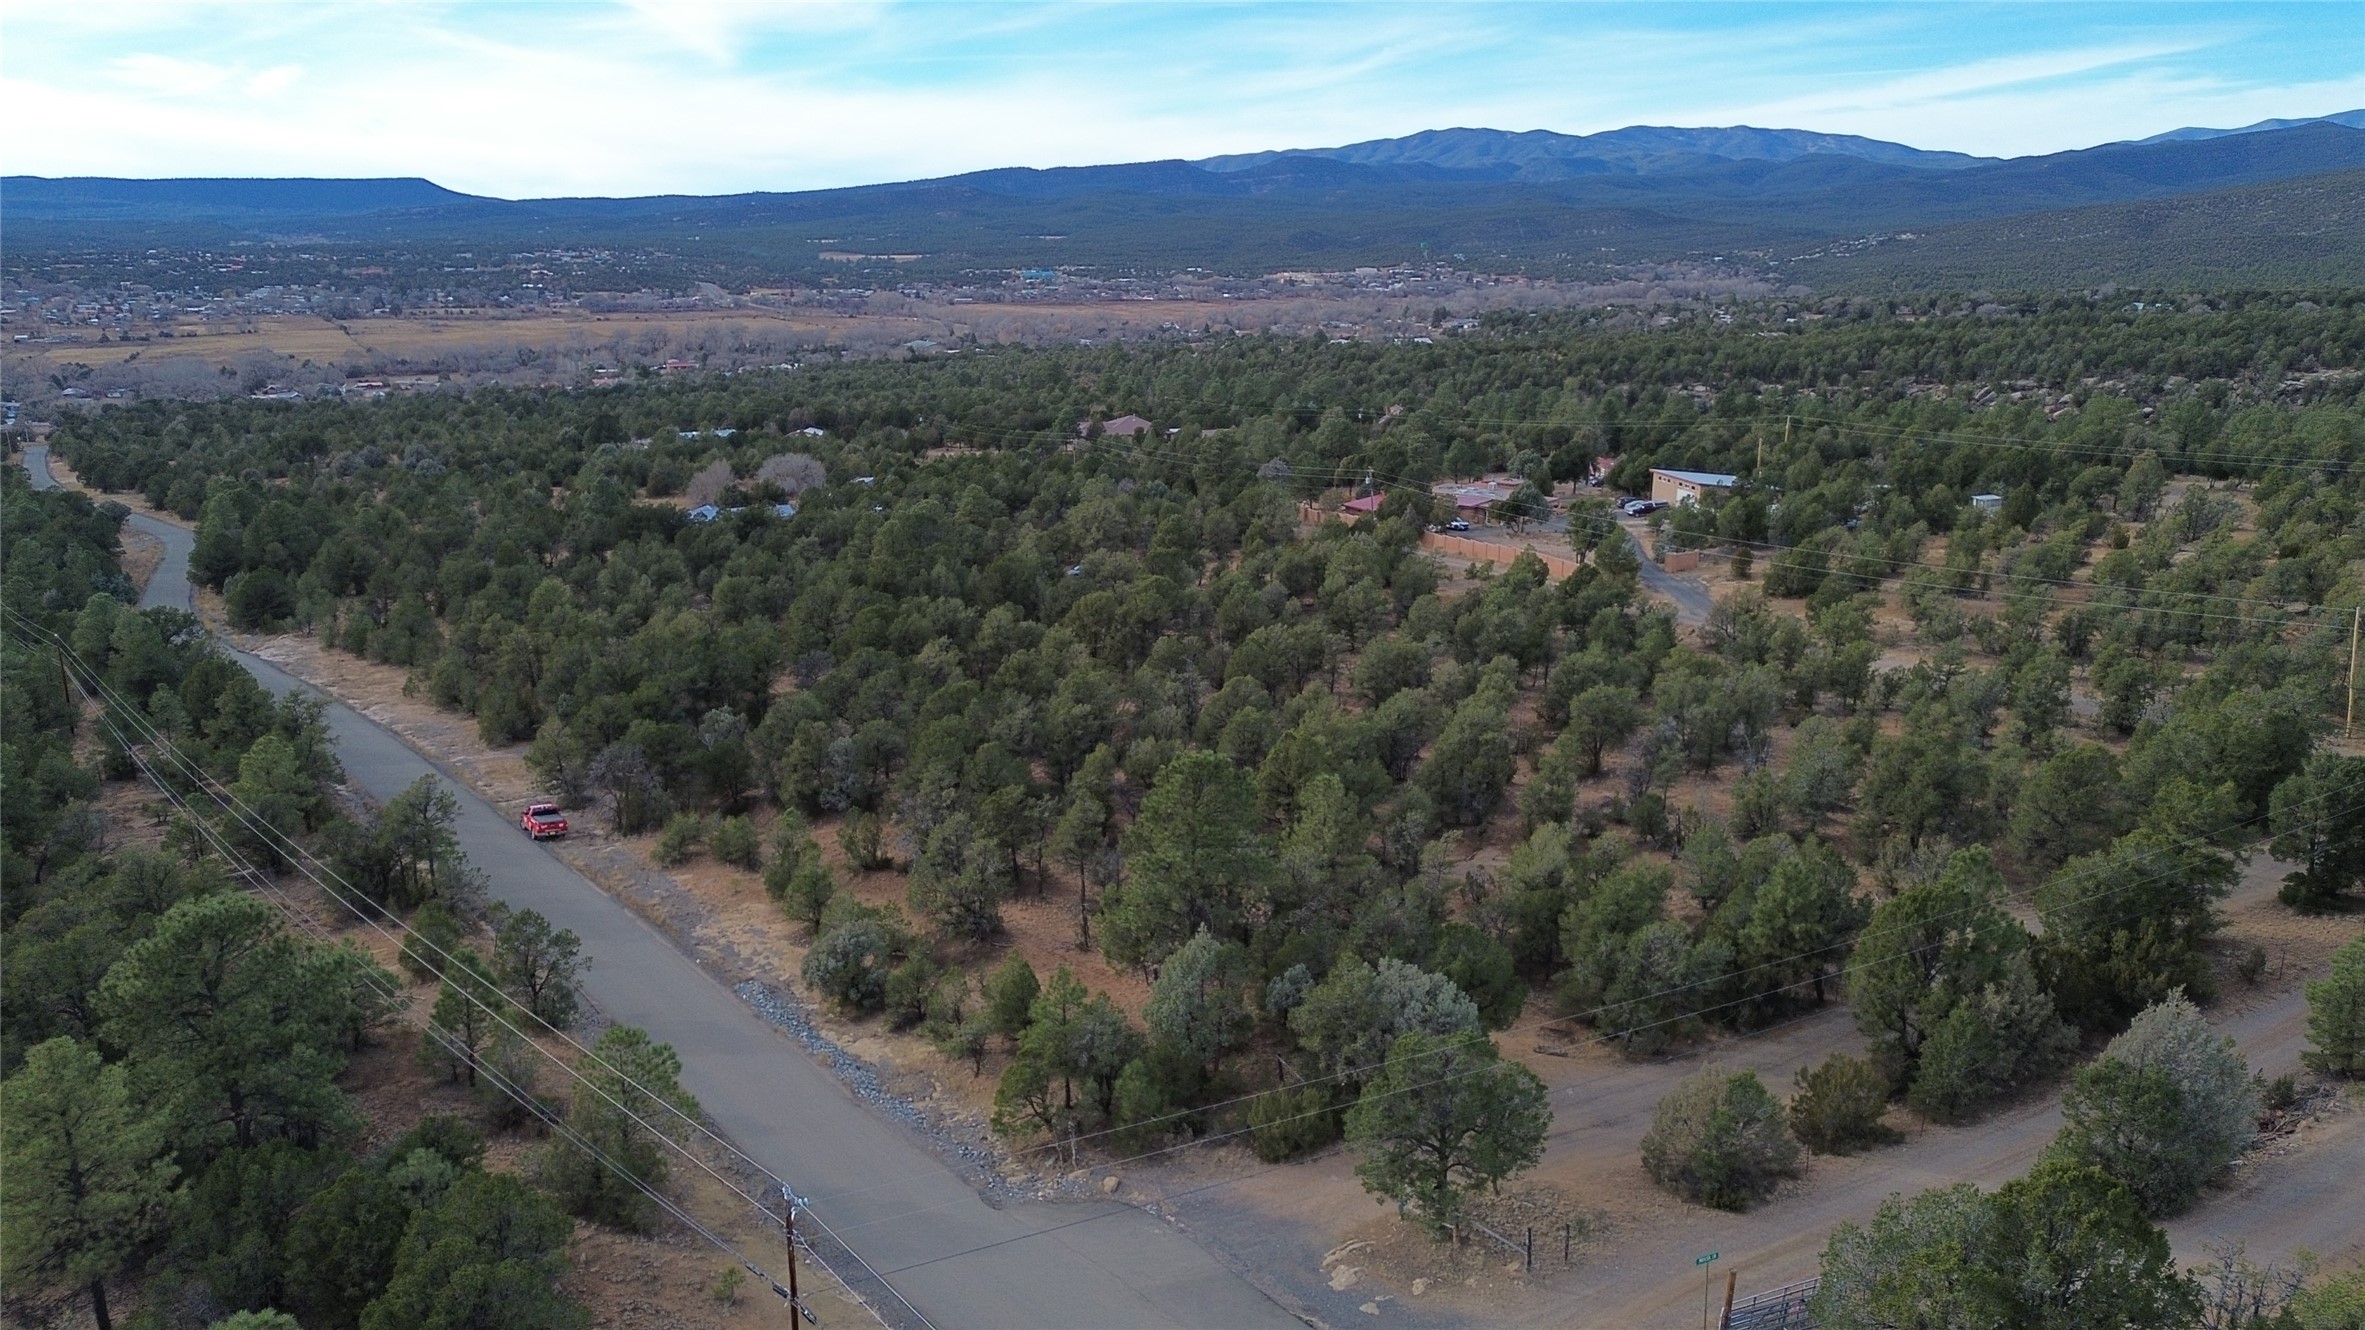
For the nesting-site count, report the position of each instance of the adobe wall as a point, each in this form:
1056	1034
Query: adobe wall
1486	551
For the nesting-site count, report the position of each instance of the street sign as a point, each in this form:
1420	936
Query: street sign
1703	1260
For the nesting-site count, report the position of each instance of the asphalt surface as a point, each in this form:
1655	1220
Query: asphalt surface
1691	600
958	1260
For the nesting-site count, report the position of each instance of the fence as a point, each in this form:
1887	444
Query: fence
1786	1308
1487	551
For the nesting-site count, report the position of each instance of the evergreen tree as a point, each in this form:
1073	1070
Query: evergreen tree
1444	1117
490	1254
88	1174
538	965
1193	860
628	1107
2336	1015
2167	1106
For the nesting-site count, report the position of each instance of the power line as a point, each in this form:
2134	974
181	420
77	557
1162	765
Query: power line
1597	1038
1147	450
245	816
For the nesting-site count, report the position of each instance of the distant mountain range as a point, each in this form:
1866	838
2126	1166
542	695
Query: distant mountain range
1636	150
1484	199
2352	119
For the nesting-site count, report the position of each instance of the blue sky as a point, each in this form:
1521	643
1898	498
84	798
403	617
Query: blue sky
628	98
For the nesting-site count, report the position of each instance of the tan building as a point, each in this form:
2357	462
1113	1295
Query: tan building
1686	486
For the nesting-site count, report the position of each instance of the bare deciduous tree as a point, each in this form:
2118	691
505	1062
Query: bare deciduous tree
710	482
793	473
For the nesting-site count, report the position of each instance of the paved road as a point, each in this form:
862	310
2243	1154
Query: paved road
961	1262
1692	601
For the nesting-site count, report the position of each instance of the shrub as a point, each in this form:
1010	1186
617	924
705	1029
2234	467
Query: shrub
434	935
680	839
849	964
909	987
2164	1108
1718	1138
2252	966
1289	1124
806	892
735	844
859	837
1989	1045
1838	1107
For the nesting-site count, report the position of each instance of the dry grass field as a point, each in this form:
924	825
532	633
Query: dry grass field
424	339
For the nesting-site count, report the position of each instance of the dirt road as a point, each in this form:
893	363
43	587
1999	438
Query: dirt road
1638	1272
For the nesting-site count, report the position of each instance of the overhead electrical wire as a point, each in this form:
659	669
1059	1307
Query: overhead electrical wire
235	808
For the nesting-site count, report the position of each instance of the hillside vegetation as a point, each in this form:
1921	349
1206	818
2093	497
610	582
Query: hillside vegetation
1337	808
1476	200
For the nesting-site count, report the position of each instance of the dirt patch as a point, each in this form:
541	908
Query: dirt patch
1527	1236
141	555
383	693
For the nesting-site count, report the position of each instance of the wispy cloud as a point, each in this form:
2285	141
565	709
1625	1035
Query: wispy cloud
698	95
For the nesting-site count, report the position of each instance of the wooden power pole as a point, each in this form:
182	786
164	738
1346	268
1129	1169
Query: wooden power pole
788	1219
2348	727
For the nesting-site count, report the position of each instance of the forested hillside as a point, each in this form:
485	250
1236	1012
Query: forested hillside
178	1144
1343	802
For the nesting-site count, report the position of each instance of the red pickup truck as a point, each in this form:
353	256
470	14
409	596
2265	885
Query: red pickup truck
542	821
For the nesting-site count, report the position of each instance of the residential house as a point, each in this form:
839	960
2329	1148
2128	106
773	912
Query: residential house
1128	427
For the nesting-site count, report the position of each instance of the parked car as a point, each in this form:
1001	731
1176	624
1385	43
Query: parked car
1457	525
542	822
1642	507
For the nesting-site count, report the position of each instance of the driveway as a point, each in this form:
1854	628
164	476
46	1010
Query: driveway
958	1260
1691	600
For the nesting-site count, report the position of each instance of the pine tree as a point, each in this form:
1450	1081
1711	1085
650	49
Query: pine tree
88	1173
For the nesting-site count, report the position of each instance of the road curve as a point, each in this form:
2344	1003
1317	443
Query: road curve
960	1261
1691	600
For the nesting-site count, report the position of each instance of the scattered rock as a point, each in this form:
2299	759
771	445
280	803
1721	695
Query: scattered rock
1345	1277
790	1013
1338	1254
1511	1267
1419	1286
1369	1309
1109	1185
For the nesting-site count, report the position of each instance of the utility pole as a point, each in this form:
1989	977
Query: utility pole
788	1220
2348	728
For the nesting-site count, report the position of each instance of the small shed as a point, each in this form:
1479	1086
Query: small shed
1988	503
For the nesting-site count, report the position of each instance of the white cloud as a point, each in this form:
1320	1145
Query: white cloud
273	81
648	96
166	76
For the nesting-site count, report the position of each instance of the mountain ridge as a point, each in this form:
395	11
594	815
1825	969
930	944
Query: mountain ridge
2190	133
1542	154
1417	198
